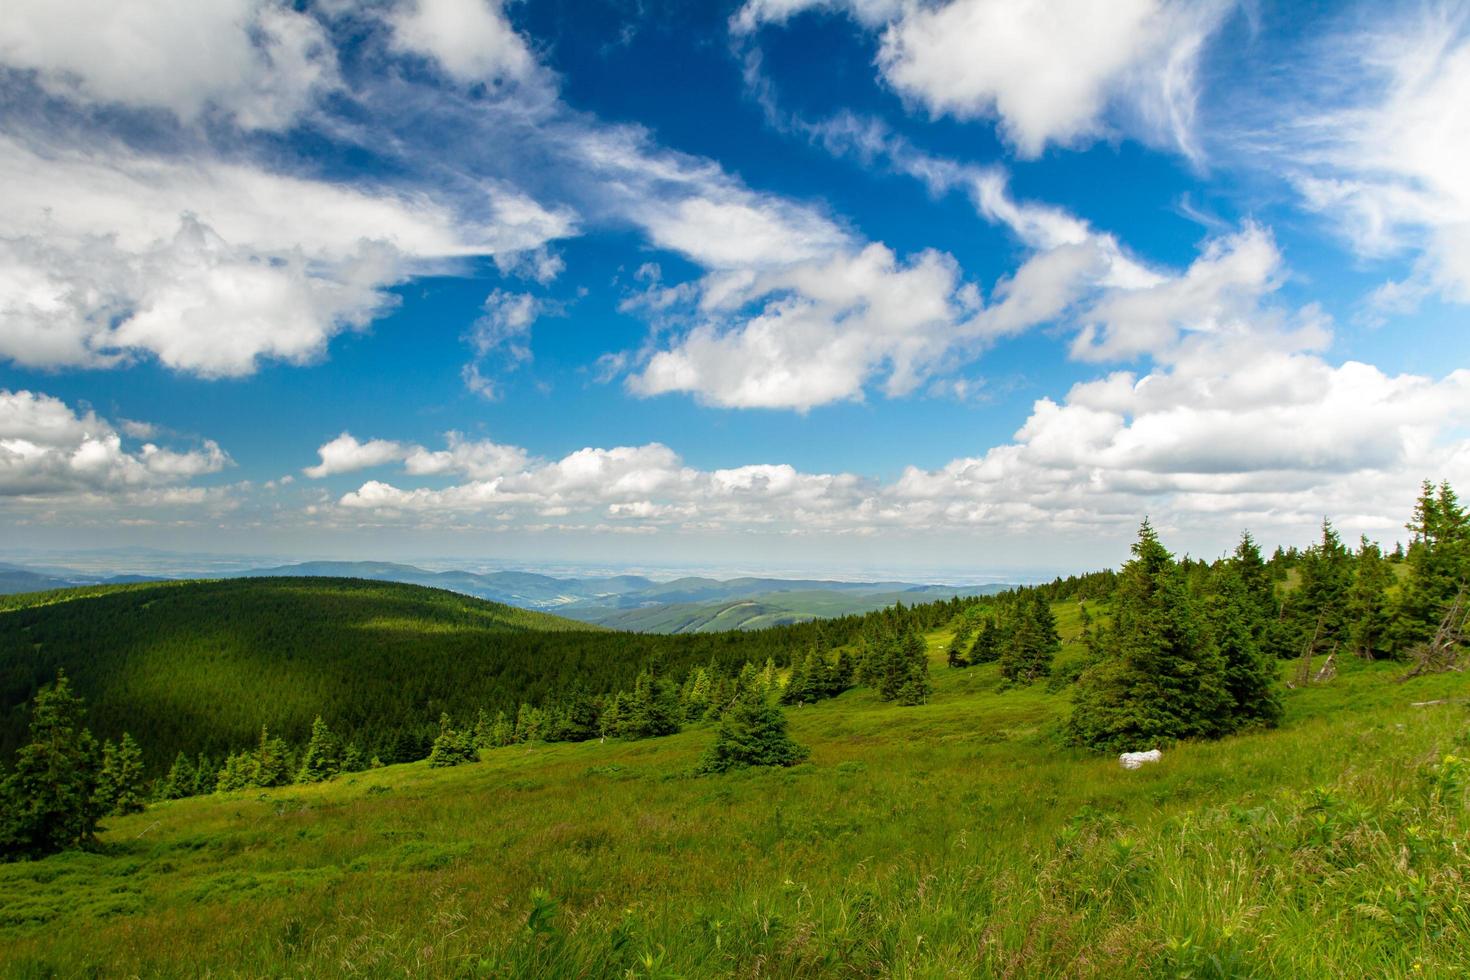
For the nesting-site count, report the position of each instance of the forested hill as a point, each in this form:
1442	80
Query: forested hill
200	666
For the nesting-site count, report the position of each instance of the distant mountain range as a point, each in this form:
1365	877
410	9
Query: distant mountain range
627	602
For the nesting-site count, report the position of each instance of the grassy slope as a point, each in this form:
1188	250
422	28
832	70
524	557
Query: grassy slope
950	839
221	657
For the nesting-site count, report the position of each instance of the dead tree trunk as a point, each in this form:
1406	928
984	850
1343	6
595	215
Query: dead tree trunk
1441	652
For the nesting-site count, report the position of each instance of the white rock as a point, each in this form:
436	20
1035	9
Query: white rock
1133	760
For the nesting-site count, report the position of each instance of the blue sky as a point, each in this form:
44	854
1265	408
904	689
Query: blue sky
820	283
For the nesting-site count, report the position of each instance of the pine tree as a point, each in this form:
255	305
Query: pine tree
205	775
1034	641
796	690
502	732
1160	675
1439	565
352	759
842	673
451	747
1370	616
1255	578
323	756
271	763
913	658
181	780
127	777
482	729
752	733
959	644
236	773
105	794
696	695
1234	615
47	801
986	648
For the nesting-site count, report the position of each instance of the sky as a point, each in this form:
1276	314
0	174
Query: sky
846	284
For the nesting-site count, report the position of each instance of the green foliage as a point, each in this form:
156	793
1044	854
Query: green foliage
1369	612
377	661
49	802
1160	676
895	660
267	765
956	839
120	780
986	648
752	733
452	747
1028	641
323	756
1439	565
181	780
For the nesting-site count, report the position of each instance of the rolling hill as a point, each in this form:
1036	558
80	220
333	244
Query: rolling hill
199	666
953	839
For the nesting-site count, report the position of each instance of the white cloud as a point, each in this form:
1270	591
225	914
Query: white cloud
1051	71
49	450
258	61
476	459
824	329
1387	160
541	265
345	454
503	334
470	39
1238	432
211	266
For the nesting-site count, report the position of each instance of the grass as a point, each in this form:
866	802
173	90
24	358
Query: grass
952	839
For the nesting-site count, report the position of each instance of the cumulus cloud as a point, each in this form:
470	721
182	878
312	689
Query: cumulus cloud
259	62
470	39
48	449
1230	435
824	328
345	454
210	266
1048	70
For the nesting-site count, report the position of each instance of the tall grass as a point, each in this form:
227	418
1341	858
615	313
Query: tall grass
953	839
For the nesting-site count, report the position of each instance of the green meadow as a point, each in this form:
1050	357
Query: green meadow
957	838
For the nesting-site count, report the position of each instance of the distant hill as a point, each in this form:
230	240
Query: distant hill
633	602
199	666
761	610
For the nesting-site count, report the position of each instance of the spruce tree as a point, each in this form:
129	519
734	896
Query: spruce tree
205	774
752	733
1439	566
959	644
323	756
352	759
1370	616
271	764
482	729
181	779
47	801
1159	675
913	656
451	747
502	732
796	689
105	795
127	778
1034	641
1233	615
986	648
